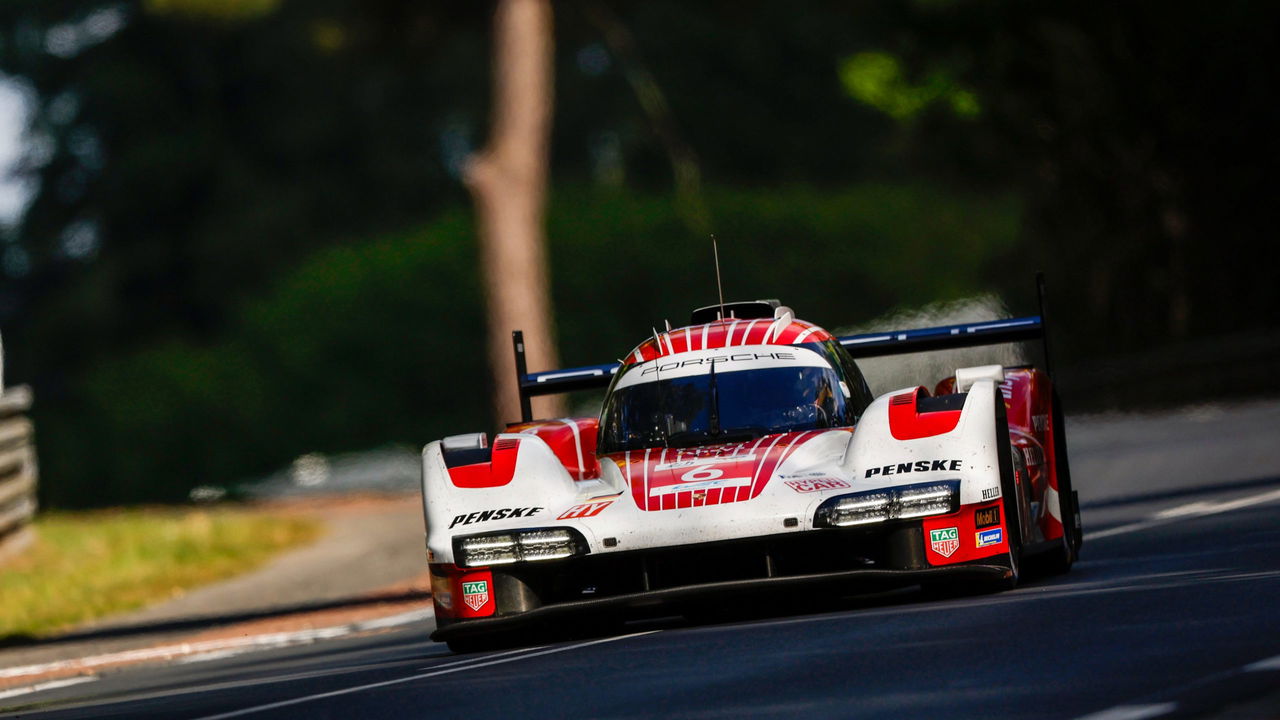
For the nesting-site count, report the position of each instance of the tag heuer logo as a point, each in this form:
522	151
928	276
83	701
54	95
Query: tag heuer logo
944	541
475	594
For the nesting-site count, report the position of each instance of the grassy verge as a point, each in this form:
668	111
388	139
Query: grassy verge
88	565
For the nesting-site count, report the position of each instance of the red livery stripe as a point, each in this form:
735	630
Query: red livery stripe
726	333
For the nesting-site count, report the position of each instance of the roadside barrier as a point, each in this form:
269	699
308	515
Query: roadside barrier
17	471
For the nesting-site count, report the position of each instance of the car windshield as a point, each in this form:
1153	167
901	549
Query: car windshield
716	396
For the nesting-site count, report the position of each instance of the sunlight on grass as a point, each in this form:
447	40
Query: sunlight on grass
88	565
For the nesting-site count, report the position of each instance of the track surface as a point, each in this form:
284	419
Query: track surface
1172	610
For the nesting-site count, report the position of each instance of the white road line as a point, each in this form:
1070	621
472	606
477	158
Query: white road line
434	673
1132	712
1121	530
214	655
1264	665
51	685
397	620
241	683
1210	508
253	642
1190	510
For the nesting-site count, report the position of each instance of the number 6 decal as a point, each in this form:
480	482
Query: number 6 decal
702	472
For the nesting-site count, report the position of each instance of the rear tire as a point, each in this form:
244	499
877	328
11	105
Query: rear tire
1068	497
1060	559
1014	506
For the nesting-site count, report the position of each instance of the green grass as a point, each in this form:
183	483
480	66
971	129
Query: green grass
89	565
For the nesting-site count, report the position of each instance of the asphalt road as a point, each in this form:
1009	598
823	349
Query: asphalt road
1171	612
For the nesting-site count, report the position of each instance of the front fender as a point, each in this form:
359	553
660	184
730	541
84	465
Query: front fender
515	484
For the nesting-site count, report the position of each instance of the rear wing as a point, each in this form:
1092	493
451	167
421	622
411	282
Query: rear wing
897	342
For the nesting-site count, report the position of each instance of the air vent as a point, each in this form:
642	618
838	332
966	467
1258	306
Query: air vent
505	444
744	310
902	399
942	403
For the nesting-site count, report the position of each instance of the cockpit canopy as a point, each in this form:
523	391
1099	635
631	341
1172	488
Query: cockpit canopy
731	394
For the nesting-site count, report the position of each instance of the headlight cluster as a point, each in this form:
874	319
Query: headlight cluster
908	501
519	546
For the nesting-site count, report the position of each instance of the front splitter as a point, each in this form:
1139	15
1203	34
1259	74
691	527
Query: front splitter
652	598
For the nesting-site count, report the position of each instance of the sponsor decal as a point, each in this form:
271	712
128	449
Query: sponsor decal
703	473
585	510
989	537
1040	422
816	484
918	466
944	541
475	594
990	493
702	478
1032	455
695	462
497	514
715	360
719	474
986	517
737	482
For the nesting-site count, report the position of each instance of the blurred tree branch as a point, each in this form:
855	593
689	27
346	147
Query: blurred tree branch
684	162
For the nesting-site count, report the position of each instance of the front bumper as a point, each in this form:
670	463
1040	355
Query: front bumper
651	582
864	580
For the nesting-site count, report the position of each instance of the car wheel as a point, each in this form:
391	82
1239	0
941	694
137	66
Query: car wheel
1060	559
1069	498
1015	506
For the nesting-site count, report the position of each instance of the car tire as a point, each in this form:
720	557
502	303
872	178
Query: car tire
1015	506
1060	559
1069	498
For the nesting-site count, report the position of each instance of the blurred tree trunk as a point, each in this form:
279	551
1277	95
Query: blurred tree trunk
508	182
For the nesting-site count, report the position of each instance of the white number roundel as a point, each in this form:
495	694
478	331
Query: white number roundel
702	473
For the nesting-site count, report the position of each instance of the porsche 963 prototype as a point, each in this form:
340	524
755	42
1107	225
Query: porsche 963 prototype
743	455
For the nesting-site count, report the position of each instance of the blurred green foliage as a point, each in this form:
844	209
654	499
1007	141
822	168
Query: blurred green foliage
876	78
362	345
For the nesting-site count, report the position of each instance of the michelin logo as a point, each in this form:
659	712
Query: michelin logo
989	537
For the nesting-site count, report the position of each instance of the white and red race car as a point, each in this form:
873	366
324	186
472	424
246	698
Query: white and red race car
745	454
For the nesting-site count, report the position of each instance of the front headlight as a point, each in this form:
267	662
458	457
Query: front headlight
518	546
908	501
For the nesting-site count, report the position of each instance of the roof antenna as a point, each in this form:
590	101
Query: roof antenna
715	248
